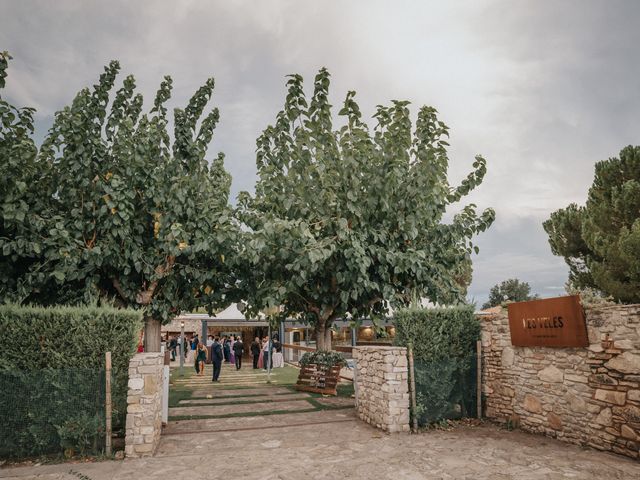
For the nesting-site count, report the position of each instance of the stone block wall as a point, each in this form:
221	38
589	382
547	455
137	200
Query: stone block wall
144	404
586	396
381	385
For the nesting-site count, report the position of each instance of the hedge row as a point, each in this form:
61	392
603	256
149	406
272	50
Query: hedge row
444	346
52	375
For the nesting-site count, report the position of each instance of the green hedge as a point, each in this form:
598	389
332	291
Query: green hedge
52	376
444	349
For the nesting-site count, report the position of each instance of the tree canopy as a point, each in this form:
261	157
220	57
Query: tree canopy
346	223
117	209
511	290
19	209
600	241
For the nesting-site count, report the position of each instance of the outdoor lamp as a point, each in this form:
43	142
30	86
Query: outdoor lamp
182	324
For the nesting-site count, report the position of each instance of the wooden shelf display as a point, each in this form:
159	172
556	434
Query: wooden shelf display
319	379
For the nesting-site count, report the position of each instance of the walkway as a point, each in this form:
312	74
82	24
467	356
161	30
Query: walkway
242	401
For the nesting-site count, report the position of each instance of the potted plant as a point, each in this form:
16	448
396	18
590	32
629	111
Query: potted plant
320	372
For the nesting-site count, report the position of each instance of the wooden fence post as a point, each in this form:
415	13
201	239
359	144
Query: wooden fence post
479	377
412	386
107	403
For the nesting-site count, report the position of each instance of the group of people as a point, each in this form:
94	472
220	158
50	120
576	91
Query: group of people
227	349
176	348
267	354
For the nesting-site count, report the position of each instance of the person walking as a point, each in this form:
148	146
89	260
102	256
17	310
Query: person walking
201	358
238	351
216	358
255	352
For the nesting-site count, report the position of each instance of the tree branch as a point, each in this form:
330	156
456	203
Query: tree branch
144	297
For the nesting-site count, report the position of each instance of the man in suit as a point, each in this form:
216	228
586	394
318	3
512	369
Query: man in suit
238	351
216	358
255	352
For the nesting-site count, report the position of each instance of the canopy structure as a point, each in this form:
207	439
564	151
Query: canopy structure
198	322
229	317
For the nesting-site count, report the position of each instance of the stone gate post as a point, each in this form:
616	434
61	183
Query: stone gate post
381	385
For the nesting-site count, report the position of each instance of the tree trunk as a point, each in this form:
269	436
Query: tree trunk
320	329
327	337
152	335
323	336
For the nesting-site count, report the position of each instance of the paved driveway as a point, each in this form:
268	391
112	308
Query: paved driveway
221	432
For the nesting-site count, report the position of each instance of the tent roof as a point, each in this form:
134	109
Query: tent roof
230	313
230	316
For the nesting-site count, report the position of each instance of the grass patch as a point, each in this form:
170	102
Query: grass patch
177	394
346	390
321	406
236	401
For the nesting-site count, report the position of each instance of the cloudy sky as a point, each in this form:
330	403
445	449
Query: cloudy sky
542	89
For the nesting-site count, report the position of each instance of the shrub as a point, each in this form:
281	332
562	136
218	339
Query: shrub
444	346
52	375
323	358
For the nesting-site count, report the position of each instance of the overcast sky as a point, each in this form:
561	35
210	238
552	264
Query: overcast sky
542	89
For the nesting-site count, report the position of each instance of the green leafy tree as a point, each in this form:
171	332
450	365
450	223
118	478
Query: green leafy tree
348	222
20	177
130	215
600	241
512	290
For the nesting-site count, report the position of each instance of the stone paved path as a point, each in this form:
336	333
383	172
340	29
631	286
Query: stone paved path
333	444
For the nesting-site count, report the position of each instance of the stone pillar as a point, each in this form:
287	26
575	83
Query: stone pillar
144	404
381	385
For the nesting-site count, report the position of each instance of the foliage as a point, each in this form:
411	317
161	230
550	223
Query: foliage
52	370
444	348
589	297
348	222
323	358
120	211
511	290
19	171
80	432
445	389
601	240
438	333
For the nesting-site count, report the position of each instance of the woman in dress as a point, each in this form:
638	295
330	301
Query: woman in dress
261	357
232	355
201	358
226	349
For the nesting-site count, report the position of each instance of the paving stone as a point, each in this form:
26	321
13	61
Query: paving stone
256	399
202	392
239	408
352	450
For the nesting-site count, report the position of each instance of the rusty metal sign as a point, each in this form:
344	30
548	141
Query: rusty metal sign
551	322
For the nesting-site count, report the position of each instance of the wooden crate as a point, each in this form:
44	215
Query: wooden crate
319	379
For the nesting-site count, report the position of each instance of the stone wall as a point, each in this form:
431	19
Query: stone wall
144	404
587	396
381	385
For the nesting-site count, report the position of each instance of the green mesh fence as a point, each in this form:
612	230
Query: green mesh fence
52	411
445	389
